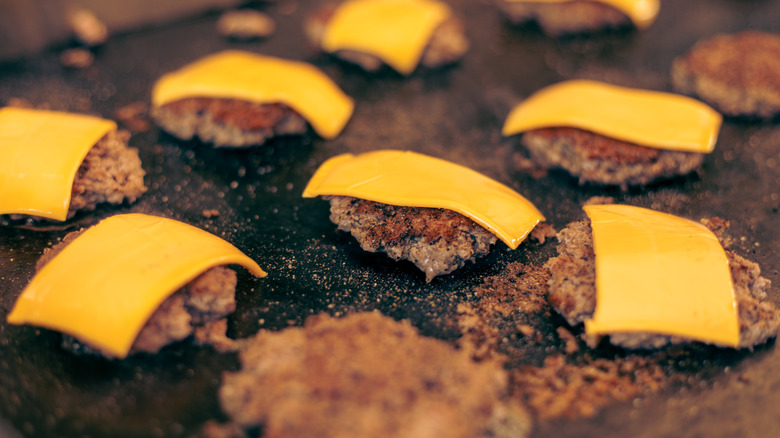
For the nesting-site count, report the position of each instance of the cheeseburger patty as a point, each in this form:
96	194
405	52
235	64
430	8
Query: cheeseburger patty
437	241
739	74
573	17
598	159
573	291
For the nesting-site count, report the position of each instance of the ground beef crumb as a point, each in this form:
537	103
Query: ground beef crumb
542	232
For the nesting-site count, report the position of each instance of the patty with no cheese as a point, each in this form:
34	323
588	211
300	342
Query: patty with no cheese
557	19
438	241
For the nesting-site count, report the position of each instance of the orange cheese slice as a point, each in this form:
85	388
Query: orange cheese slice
395	31
658	273
40	153
105	285
648	118
641	12
247	76
413	180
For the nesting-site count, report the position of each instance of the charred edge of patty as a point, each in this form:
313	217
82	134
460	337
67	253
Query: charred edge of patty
573	292
208	298
559	19
228	122
738	74
447	45
437	241
598	159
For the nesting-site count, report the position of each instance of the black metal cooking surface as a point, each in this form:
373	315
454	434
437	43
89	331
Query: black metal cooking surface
455	114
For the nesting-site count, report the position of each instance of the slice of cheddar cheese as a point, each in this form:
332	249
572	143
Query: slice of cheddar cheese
413	180
641	12
247	76
395	31
105	285
40	153
658	273
647	118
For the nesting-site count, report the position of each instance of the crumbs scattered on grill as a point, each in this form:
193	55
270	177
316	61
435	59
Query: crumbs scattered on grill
88	29
210	213
77	58
245	24
542	232
135	116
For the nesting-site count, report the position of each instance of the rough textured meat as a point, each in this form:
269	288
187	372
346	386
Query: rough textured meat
228	122
574	17
366	375
602	160
447	45
573	292
437	241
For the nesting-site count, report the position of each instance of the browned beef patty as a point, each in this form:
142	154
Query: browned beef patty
207	298
437	241
573	291
602	160
739	74
557	19
228	122
366	375
448	43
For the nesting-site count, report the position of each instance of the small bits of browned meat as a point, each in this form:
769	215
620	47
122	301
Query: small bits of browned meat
598	159
738	74
573	292
366	375
447	45
437	241
557	19
228	122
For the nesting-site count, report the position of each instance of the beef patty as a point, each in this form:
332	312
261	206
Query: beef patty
557	19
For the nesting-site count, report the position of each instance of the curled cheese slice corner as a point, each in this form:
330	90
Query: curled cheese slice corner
395	31
662	274
105	285
648	118
235	74
410	179
40	153
641	12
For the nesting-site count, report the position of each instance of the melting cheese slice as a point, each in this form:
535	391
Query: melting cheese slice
40	153
641	12
395	31
413	180
658	273
104	286
648	118
246	76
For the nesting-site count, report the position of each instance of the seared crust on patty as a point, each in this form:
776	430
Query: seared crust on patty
573	291
366	375
557	19
739	74
447	44
603	160
228	122
437	241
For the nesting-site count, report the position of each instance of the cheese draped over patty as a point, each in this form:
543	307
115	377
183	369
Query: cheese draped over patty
235	74
105	285
648	118
40	153
641	12
395	31
410	179
662	274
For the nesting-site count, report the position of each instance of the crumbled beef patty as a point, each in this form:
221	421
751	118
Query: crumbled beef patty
739	74
228	122
557	19
573	291
602	160
366	375
437	241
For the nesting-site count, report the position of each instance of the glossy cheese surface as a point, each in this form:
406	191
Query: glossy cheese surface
395	31
647	118
104	286
247	76
413	180
40	153
658	273
641	12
